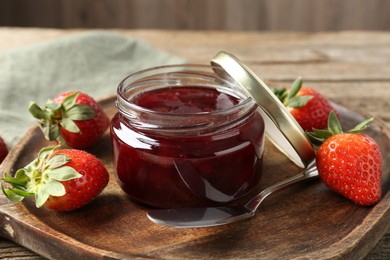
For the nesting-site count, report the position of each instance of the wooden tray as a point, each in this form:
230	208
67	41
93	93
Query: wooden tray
306	221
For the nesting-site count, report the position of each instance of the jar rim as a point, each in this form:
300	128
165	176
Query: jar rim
191	75
191	69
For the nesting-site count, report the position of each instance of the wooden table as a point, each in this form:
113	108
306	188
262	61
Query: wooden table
358	63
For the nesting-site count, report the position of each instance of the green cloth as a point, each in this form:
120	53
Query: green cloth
93	62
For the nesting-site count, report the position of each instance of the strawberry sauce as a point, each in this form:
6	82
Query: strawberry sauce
172	167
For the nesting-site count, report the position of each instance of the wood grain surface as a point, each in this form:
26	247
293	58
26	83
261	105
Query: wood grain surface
351	68
302	15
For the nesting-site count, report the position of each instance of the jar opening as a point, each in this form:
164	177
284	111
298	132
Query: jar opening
182	98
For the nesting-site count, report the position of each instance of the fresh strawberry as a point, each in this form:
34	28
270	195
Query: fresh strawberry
349	163
3	150
62	180
74	119
307	106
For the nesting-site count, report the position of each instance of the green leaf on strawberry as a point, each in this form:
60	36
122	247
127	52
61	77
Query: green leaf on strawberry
70	101
38	112
75	111
290	98
79	112
318	136
15	195
69	125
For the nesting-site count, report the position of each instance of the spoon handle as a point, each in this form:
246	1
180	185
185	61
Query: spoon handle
308	173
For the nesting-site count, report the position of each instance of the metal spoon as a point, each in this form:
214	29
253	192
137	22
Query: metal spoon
216	216
200	186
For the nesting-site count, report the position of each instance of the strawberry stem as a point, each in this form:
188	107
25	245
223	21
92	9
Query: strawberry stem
54	116
318	136
41	178
334	125
295	87
290	98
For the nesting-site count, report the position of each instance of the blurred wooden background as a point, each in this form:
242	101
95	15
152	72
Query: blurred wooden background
296	15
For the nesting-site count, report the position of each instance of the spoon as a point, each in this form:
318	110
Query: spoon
200	186
216	216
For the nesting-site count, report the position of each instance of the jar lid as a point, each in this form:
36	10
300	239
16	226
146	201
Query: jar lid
280	126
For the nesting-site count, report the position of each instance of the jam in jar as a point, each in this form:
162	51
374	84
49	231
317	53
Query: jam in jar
184	137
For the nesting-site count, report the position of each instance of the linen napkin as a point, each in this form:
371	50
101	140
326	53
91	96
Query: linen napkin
93	62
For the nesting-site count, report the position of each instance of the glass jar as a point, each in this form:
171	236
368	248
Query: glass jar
184	137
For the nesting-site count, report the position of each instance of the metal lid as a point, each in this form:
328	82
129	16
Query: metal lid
280	126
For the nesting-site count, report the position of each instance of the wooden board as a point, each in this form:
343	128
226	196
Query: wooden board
309	221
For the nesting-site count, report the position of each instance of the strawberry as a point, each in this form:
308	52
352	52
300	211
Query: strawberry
307	106
62	180
349	163
3	150
74	119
